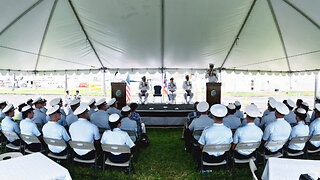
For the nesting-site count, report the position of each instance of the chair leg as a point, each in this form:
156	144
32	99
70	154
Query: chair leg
104	165
129	169
95	165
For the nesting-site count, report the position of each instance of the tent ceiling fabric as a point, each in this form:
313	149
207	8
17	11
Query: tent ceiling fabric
149	36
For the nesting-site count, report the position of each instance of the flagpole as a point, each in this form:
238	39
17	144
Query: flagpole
162	97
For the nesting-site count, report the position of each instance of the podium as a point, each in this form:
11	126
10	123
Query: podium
118	91
213	93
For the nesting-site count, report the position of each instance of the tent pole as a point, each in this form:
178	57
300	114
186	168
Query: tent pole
65	82
316	77
104	82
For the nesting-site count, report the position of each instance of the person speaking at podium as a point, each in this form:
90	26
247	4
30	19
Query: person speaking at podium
187	86
211	74
144	87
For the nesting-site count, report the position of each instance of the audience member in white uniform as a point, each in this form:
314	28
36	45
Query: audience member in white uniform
266	112
231	120
127	124
316	101
113	107
187	87
20	106
29	102
92	106
211	74
314	129
3	104
83	130
71	118
277	130
100	118
44	104
305	106
172	87
299	130
143	88
39	117
291	117
28	127
62	121
216	134
248	133
256	120
118	137
55	131
238	113
8	124
266	120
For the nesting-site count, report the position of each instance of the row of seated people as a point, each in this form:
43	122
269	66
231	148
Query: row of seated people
81	130
216	132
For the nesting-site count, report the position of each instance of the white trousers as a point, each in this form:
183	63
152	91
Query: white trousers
146	94
186	97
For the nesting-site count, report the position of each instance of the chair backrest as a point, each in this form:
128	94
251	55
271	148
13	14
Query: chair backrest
315	138
276	143
115	148
299	140
157	89
216	148
82	145
10	155
253	168
248	145
197	132
130	132
28	138
10	134
55	142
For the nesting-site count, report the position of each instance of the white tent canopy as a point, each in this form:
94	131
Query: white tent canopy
156	35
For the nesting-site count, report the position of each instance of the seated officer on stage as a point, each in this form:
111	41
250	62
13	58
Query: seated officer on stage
84	130
216	134
143	88
291	117
231	120
92	106
127	123
118	137
71	118
113	107
100	118
248	133
314	129
187	87
39	116
270	117
54	130
172	87
301	129
8	124
277	130
238	113
28	127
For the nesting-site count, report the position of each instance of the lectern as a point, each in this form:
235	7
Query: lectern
213	93
118	91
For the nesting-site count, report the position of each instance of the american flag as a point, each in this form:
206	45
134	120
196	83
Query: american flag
165	86
128	95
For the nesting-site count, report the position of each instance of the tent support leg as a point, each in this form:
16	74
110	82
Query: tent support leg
104	83
65	82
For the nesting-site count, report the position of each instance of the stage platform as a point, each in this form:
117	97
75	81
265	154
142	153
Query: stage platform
164	114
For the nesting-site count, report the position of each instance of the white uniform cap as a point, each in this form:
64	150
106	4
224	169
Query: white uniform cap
252	111
114	117
301	111
305	104
270	98
37	100
125	108
74	102
21	104
7	108
272	103
52	110
202	106
55	101
112	101
91	101
26	108
101	101
237	103
82	108
231	106
29	100
291	103
2	101
282	108
218	110
317	107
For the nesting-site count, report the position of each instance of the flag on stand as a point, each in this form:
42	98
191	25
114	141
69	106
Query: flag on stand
165	86
128	95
